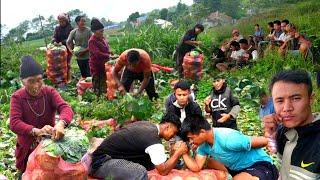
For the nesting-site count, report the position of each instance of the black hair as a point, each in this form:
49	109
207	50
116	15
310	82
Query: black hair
270	24
257	25
78	18
133	56
285	21
200	26
277	22
293	76
182	84
235	44
262	93
171	118
193	124
243	41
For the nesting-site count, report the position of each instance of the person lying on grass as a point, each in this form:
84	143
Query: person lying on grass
242	156
131	151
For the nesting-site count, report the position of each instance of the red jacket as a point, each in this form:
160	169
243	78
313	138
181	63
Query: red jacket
23	119
98	55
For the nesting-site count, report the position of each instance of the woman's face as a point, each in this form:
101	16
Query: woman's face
82	22
33	84
99	33
62	22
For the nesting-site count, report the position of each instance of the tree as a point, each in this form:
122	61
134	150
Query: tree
232	8
19	32
133	17
35	22
164	14
106	22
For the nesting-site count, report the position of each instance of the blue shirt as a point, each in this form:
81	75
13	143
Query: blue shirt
233	149
267	109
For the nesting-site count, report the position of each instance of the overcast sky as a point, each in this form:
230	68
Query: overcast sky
15	11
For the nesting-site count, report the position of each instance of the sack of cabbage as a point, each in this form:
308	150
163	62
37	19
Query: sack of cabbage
71	148
56	47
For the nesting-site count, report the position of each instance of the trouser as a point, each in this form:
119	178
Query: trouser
84	67
121	169
99	84
128	77
69	66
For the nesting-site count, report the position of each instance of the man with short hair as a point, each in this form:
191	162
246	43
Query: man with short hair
277	29
266	105
242	155
250	52
222	105
285	35
137	66
298	136
183	106
129	152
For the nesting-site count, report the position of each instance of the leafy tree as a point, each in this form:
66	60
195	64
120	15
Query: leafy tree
35	22
106	22
164	13
18	33
133	17
232	8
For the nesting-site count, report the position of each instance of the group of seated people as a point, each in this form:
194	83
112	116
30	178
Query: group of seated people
282	37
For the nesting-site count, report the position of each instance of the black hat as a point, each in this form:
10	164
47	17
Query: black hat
29	67
96	25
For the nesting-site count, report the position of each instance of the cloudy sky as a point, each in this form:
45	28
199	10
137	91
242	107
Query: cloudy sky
15	11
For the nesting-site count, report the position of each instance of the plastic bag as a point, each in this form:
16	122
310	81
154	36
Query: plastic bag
192	66
42	166
57	66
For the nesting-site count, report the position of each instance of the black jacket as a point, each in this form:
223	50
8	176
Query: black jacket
300	151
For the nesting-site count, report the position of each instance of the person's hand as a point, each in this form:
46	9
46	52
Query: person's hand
198	43
207	101
270	124
58	131
122	90
47	129
224	118
180	147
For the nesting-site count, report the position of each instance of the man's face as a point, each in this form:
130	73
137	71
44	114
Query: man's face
277	27
33	84
218	83
182	96
196	139
170	131
243	46
283	26
292	103
197	30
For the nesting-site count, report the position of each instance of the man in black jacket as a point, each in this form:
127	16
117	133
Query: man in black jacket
296	129
183	106
222	105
